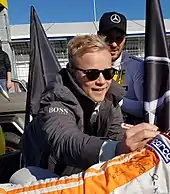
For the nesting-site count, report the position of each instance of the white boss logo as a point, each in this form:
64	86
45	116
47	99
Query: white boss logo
58	110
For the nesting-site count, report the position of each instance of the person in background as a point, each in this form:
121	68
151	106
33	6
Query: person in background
130	69
5	69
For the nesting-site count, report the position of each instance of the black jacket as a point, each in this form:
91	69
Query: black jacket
62	133
5	65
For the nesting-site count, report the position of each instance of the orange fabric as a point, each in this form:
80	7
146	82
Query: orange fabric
100	178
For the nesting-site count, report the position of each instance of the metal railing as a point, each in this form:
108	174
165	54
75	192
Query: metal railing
134	46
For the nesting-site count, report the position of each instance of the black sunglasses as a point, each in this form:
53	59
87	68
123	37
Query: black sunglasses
93	74
111	39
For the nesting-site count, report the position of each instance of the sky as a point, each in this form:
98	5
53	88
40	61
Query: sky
61	11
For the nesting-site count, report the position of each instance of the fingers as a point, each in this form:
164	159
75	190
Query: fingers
141	128
135	140
144	135
148	133
147	126
140	145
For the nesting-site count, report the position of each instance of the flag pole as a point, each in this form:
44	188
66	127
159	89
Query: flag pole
94	11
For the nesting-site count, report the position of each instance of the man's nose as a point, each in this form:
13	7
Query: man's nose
113	44
101	80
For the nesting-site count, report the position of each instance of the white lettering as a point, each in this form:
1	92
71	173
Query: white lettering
162	148
59	110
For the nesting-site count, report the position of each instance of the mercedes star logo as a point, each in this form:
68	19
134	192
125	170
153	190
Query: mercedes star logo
115	18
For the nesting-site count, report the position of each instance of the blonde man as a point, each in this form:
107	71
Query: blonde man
77	126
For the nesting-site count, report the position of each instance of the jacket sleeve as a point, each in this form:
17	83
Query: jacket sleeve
134	107
7	62
69	145
116	132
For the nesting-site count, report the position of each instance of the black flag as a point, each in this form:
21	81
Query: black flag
43	65
157	71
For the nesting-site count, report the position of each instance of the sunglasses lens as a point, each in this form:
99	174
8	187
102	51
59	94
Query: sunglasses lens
92	74
111	39
108	73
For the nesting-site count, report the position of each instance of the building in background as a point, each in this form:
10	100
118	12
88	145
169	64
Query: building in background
15	39
60	33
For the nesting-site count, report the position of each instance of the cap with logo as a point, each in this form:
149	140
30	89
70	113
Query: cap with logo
111	20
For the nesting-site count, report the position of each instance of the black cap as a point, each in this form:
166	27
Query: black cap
110	20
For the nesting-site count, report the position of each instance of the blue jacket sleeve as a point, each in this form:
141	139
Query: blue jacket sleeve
135	107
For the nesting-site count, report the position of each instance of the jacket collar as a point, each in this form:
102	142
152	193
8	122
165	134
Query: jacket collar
125	59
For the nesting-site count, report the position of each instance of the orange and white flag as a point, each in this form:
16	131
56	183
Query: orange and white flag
144	171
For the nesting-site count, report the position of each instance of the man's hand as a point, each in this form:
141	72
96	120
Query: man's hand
9	84
136	137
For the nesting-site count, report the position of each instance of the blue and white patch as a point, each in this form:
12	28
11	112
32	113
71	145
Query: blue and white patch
162	148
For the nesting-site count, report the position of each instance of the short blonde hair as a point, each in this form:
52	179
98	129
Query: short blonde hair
82	44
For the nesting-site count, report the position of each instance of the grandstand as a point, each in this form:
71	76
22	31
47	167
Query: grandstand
60	33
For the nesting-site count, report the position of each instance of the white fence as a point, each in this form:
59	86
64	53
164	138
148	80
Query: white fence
134	46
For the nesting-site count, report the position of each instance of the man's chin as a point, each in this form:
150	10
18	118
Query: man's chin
98	99
115	56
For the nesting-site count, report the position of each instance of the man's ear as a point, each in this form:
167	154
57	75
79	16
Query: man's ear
124	47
